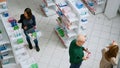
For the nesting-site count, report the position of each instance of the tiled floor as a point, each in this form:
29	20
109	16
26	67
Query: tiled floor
101	31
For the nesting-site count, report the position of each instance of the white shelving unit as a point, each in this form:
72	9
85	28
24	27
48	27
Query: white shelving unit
19	50
15	53
70	20
95	6
7	56
3	7
48	7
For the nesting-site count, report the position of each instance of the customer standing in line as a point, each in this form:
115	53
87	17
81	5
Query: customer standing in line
109	56
76	52
28	24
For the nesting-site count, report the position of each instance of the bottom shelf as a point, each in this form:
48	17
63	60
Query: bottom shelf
27	63
99	9
64	39
48	11
11	65
8	62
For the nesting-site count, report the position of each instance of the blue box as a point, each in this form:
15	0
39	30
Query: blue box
79	5
5	14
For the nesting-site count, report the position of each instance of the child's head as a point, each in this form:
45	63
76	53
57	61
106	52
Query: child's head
113	50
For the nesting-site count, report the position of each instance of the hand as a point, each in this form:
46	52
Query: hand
16	20
114	43
25	27
86	50
85	58
35	27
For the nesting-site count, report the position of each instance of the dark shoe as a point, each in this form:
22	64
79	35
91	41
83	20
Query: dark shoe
30	47
37	49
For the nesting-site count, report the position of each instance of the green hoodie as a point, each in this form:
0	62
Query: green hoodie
76	52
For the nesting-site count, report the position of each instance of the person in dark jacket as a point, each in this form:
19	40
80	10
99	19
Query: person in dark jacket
76	52
28	23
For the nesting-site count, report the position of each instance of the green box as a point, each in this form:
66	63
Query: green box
16	27
34	65
20	40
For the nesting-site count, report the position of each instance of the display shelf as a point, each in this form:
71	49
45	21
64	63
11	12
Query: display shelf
50	4
65	40
4	40
20	51
71	33
72	19
98	6
84	16
3	10
73	26
59	23
79	11
50	11
28	63
8	57
15	38
101	2
7	54
67	25
98	10
21	58
61	38
68	14
5	25
8	49
48	7
11	65
3	2
16	48
84	22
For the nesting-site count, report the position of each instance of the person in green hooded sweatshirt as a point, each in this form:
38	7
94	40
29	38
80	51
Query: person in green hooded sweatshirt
76	52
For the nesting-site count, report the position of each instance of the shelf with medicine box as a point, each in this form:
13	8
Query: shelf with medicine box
62	36
5	47
17	39
12	42
3	6
6	52
48	7
95	6
72	16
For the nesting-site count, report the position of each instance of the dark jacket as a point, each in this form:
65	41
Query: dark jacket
30	23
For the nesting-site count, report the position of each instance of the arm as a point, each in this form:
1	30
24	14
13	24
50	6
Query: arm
21	19
34	22
88	53
114	60
112	44
86	50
